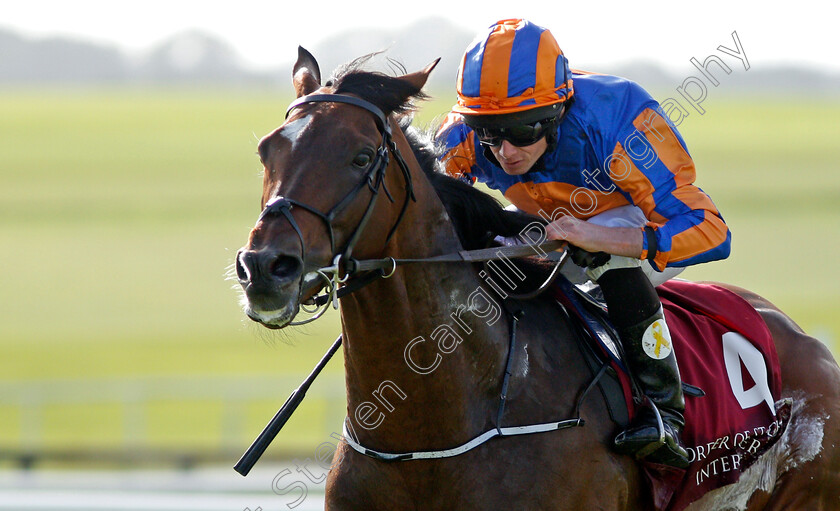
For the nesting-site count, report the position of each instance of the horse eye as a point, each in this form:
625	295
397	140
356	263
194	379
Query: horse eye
363	159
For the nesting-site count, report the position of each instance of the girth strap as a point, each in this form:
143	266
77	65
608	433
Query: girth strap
487	435
461	449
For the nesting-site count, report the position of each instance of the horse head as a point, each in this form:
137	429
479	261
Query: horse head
324	169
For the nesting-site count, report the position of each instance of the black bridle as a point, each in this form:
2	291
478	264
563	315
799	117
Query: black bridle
373	180
343	265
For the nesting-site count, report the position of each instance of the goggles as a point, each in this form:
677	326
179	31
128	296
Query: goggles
520	136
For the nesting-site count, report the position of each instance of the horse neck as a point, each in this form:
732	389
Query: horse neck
408	361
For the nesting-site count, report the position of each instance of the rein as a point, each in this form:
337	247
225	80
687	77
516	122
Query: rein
384	268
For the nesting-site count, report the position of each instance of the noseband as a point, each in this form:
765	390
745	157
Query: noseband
373	180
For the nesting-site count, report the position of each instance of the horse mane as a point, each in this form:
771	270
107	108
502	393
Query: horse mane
476	216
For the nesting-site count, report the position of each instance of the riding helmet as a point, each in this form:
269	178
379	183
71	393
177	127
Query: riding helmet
513	74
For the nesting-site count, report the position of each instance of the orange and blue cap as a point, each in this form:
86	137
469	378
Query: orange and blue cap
516	66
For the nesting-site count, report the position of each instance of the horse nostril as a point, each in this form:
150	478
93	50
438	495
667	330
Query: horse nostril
241	272
266	268
284	267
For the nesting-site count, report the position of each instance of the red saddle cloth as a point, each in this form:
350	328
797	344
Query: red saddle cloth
724	347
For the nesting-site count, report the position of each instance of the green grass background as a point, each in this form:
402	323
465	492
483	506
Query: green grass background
120	212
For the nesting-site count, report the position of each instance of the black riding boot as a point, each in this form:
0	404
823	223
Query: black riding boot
636	311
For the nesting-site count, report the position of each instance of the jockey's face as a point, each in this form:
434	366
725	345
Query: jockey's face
518	160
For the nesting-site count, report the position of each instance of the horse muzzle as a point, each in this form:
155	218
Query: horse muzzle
271	281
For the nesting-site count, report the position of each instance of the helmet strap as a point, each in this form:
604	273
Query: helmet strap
552	136
488	153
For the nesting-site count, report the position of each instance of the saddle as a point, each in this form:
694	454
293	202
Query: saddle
731	380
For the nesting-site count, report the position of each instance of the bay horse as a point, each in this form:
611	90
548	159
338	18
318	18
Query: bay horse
415	386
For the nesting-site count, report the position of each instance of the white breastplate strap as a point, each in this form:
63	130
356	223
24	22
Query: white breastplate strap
455	451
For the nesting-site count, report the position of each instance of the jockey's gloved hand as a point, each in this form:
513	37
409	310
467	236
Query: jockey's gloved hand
586	259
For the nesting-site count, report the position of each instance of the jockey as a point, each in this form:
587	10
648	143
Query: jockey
596	157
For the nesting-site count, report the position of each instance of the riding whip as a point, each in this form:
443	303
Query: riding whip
258	447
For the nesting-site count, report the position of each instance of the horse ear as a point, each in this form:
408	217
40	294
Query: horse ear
419	78
306	75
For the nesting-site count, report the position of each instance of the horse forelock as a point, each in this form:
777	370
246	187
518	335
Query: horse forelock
389	93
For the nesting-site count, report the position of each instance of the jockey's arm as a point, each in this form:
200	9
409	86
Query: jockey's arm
622	241
684	226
